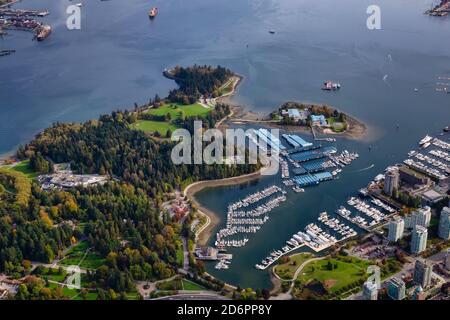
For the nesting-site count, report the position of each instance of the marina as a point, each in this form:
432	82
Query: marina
314	237
240	221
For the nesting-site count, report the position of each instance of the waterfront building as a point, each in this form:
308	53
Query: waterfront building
444	224
412	177
396	289
395	229
419	239
422	274
370	290
391	181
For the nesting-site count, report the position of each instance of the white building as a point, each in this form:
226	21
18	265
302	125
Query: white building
422	273
444	224
421	217
419	239
396	228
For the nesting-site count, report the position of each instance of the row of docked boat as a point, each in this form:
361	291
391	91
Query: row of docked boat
383	205
336	225
367	209
312	236
255	197
424	168
284	168
231	243
249	221
441	154
344	158
358	220
441	144
433	162
223	264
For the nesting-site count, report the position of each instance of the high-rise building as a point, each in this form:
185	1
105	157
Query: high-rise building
421	217
447	260
391	181
419	239
444	224
396	289
395	229
370	291
422	273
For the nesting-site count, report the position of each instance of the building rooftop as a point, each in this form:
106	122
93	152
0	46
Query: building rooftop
432	195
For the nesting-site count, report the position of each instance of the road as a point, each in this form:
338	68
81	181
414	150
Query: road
194	296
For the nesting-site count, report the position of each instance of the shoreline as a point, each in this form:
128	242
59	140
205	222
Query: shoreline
357	129
212	218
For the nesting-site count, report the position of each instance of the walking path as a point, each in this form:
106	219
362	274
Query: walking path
288	295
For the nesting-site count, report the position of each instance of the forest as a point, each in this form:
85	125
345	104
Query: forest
122	220
197	81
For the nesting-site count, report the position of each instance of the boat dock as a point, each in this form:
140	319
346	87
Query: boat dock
247	216
313	237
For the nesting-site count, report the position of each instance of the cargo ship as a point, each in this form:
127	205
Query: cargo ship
153	12
43	32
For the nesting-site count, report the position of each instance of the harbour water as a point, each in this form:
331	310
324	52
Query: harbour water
118	56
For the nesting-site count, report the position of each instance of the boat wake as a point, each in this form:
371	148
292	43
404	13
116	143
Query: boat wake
365	169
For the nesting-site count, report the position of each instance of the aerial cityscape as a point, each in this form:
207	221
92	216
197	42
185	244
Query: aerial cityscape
241	150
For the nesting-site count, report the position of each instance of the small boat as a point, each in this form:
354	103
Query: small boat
79	4
271	32
331	86
446	129
153	12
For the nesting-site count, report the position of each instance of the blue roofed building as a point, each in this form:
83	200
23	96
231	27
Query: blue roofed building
319	120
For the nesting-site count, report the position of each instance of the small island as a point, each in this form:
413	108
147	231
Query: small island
323	119
200	96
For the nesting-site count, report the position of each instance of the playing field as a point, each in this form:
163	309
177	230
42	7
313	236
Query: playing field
344	271
154	126
175	110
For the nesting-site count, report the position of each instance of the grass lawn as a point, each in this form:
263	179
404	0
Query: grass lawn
349	270
77	254
286	270
153	126
189	285
335	124
175	109
24	167
75	294
174	284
